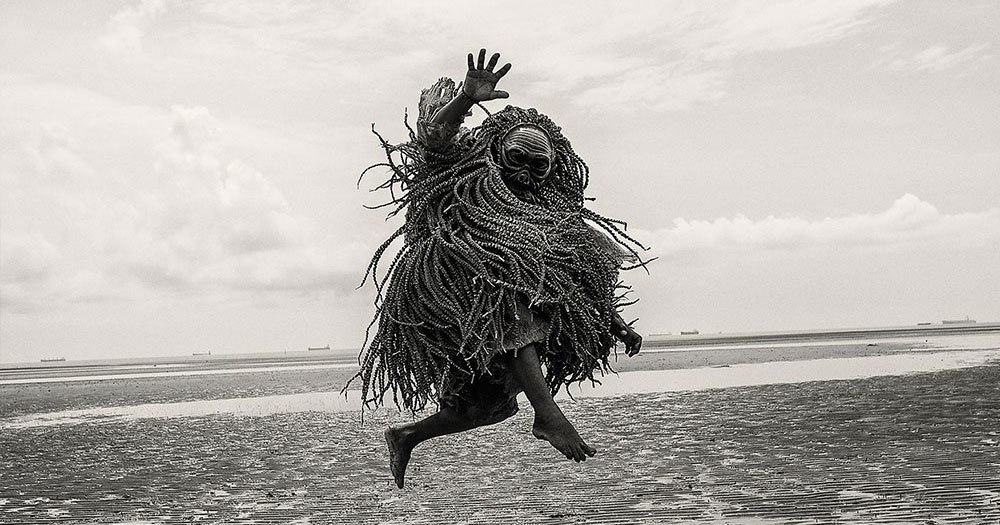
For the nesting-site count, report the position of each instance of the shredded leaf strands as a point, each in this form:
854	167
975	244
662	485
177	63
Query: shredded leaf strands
472	249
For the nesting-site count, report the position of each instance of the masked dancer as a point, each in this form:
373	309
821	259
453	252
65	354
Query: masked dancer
505	281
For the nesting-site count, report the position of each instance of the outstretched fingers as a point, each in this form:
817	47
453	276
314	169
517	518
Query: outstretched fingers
481	63
503	71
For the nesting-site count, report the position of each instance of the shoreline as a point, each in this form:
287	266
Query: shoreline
792	336
651	342
626	383
46	391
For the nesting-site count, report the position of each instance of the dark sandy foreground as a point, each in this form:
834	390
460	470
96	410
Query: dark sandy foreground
907	449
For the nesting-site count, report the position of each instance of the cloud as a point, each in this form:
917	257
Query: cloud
127	27
664	56
26	257
208	223
27	263
907	222
655	88
669	56
55	155
222	223
938	58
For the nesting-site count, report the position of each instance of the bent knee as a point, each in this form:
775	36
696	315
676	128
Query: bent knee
492	414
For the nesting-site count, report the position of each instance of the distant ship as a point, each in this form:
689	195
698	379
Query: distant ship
958	321
314	348
923	324
689	332
202	353
54	360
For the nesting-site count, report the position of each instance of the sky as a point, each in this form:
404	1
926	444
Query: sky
182	176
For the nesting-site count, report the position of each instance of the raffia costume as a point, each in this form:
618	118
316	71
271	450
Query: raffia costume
484	270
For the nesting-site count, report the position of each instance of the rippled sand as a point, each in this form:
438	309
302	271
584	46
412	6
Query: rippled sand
922	448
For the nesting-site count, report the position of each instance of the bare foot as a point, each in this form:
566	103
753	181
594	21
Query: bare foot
399	453
558	431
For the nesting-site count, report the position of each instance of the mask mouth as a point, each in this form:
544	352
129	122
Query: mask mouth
519	180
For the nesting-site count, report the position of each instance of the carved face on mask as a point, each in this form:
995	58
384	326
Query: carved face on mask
526	156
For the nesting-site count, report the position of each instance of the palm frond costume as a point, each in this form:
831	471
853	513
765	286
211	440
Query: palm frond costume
478	258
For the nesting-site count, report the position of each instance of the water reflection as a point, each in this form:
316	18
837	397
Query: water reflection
626	383
777	372
141	375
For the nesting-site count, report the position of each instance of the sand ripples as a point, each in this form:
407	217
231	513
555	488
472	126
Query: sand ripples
907	449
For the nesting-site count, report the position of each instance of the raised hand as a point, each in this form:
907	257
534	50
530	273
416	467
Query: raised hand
481	81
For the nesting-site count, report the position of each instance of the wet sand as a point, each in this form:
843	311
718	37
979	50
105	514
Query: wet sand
919	448
906	449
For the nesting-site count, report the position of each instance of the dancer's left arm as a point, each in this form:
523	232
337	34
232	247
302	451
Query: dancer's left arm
621	330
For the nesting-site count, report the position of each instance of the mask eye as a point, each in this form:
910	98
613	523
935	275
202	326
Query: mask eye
541	165
516	155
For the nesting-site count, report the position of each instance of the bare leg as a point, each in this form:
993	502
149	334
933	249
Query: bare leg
550	423
403	438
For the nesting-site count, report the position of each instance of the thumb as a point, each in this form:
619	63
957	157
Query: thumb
499	94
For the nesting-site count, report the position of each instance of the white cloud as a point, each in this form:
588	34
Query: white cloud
26	262
655	88
907	222
728	29
26	256
55	155
938	58
669	54
209	223
685	52
127	27
221	223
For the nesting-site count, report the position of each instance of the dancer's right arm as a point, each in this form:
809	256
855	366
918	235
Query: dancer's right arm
479	86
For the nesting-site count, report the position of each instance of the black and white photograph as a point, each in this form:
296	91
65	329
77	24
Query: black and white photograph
728	262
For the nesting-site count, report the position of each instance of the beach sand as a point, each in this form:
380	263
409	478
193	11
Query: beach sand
920	448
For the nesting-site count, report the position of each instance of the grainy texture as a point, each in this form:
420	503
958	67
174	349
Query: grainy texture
905	449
